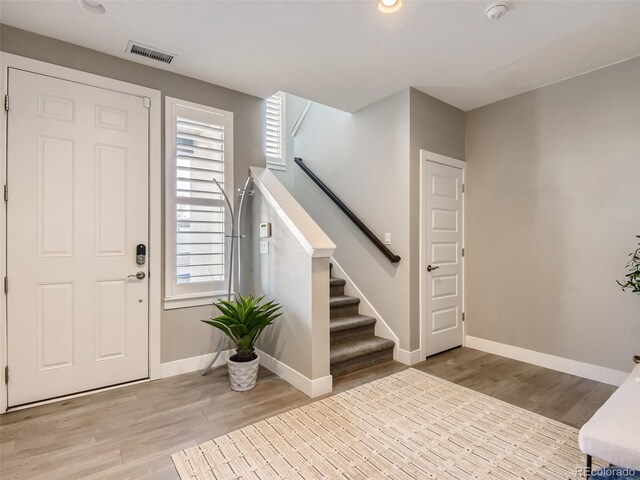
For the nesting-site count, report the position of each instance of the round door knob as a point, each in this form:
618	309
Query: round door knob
430	268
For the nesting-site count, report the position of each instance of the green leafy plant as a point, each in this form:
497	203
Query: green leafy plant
243	320
632	279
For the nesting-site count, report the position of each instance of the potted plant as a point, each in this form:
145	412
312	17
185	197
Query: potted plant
632	278
243	320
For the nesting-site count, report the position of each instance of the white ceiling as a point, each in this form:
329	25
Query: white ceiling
347	54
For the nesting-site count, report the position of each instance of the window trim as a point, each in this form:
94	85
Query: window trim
275	163
197	297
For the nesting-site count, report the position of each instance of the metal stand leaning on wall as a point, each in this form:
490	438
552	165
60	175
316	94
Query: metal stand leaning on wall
235	234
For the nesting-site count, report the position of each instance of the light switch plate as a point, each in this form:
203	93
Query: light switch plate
264	246
387	239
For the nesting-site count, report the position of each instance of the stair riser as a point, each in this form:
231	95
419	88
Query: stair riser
353	334
343	310
336	290
359	363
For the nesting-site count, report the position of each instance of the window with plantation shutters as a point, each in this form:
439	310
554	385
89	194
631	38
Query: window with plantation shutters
274	132
199	151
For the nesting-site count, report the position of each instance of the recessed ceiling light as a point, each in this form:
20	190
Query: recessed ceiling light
389	6
91	6
495	11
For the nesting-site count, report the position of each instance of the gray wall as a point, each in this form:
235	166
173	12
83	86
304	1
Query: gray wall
438	127
300	338
363	158
183	335
553	206
370	159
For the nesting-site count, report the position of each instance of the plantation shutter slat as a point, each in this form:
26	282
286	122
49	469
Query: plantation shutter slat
274	129
199	214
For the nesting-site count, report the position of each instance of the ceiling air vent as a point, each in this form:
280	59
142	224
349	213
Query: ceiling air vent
149	52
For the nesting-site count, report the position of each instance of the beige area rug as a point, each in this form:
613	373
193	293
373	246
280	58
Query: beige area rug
410	425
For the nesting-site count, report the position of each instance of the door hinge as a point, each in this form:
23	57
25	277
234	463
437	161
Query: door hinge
6	375
6	193
463	188
6	103
146	102
463	316
463	252
6	285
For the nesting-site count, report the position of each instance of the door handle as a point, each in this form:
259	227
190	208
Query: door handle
140	275
430	268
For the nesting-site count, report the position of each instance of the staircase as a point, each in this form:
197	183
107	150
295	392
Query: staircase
354	345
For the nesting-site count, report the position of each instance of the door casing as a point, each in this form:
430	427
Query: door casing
155	185
425	156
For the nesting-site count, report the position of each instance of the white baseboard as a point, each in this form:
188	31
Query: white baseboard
186	365
561	364
409	357
312	388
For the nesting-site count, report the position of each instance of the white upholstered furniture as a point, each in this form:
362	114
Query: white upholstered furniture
613	433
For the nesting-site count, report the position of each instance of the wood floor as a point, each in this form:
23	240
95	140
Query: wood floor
130	433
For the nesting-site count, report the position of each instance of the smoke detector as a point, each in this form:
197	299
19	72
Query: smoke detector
91	6
495	11
149	52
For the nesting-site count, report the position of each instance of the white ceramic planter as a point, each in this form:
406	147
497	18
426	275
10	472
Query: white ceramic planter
243	375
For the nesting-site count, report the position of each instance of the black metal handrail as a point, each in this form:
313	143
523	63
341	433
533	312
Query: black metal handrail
393	258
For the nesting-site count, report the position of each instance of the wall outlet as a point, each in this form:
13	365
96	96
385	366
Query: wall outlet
387	239
264	246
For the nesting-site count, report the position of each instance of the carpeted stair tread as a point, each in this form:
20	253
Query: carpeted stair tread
349	322
336	287
359	348
343	300
353	343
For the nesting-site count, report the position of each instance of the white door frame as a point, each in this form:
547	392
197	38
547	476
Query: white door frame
450	162
155	187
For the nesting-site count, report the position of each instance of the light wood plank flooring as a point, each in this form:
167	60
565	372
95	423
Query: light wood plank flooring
130	433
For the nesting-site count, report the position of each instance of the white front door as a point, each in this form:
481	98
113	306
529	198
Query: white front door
443	223
77	176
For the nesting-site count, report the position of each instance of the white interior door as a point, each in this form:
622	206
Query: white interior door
77	176
443	223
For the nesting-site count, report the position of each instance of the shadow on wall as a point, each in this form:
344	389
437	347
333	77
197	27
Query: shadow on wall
271	335
299	282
